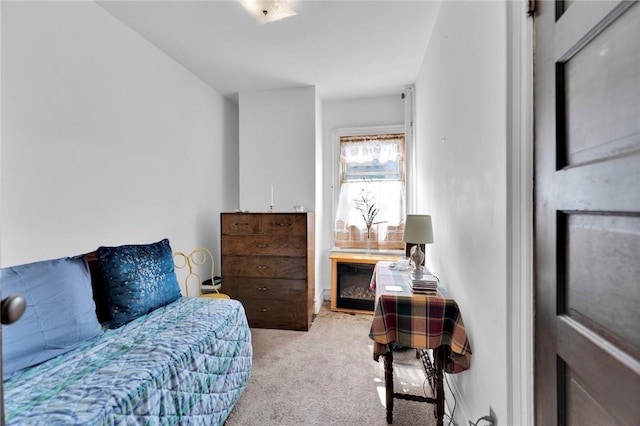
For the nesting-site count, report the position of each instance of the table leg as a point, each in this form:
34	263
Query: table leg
388	382
440	355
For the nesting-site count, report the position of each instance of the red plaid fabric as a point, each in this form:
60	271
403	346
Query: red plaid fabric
417	320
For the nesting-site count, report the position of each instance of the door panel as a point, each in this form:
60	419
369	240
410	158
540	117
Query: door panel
601	270
592	413
602	94
587	213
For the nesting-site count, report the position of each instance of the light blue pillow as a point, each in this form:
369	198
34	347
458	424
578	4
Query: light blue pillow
139	279
60	314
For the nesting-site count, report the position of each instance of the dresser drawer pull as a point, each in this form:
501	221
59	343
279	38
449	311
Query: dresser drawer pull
263	288
242	224
263	267
284	224
262	245
263	309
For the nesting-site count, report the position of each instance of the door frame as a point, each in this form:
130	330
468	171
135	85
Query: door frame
520	207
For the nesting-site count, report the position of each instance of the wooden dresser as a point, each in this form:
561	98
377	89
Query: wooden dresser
268	264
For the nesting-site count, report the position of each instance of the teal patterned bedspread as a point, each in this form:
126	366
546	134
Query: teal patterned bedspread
185	363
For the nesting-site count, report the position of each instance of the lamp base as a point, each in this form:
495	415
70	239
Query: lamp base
417	257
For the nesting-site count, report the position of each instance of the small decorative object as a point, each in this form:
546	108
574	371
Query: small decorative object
366	205
299	209
271	204
403	264
418	231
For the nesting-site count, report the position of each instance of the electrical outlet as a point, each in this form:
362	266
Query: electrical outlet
493	416
490	420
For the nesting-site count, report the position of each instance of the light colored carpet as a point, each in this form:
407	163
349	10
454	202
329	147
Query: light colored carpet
327	376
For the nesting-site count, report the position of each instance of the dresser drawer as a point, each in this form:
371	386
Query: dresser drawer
240	224
285	224
267	313
265	288
263	245
264	267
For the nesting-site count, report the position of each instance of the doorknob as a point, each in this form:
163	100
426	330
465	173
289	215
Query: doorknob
12	308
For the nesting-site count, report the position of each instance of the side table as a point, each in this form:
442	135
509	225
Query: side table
417	321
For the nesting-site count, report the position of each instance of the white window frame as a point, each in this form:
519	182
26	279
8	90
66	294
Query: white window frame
360	131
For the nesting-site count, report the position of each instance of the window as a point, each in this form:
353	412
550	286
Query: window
371	188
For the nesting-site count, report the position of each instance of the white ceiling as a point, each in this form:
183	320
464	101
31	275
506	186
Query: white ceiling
347	49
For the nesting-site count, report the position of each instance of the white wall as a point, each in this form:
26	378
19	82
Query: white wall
105	140
338	114
279	138
462	150
277	146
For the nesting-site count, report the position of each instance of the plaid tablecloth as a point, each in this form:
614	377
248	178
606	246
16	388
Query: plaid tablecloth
416	320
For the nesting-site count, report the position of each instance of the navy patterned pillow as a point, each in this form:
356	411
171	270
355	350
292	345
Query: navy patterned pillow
139	279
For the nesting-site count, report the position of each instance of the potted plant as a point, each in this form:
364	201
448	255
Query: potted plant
366	205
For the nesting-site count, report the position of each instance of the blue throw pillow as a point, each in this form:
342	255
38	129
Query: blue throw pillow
60	314
139	279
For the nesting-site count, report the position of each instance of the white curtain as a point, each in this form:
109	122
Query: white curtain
367	152
372	166
388	197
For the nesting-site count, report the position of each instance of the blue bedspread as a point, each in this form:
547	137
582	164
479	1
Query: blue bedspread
186	363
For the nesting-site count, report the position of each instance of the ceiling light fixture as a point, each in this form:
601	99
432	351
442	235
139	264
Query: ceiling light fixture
265	11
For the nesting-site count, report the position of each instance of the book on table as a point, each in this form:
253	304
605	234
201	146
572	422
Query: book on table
423	283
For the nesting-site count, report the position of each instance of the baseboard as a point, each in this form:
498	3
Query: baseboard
326	294
461	411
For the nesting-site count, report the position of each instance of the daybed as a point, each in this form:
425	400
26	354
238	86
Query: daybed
158	358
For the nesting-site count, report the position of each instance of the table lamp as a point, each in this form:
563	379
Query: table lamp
418	230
